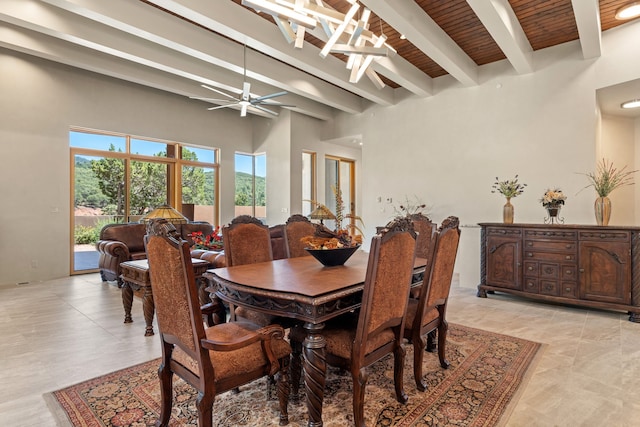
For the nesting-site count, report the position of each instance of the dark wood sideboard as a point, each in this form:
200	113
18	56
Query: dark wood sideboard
589	266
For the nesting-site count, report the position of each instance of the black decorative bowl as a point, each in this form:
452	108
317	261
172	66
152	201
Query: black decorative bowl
333	257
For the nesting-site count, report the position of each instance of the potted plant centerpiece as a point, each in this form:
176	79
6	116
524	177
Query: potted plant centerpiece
606	179
508	188
334	247
552	200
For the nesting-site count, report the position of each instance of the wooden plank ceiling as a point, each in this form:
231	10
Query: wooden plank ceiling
546	23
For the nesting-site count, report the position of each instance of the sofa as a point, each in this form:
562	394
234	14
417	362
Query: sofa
125	242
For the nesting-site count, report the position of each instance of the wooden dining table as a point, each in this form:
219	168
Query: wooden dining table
302	289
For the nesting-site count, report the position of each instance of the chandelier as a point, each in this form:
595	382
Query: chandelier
347	33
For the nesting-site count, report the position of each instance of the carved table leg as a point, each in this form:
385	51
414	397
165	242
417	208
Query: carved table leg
315	370
148	308
127	301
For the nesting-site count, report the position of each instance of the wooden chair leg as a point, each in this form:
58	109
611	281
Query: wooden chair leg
166	394
204	403
419	344
398	370
283	391
442	343
359	385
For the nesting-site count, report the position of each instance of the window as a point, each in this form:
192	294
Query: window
251	185
308	181
120	178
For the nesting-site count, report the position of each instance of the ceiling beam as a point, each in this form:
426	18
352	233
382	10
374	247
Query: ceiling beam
244	26
148	23
406	17
501	22
587	13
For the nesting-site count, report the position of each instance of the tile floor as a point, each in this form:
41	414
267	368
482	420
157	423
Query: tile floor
60	332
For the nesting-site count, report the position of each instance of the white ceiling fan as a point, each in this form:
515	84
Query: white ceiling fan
245	100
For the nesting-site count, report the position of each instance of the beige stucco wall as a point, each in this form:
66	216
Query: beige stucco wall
446	149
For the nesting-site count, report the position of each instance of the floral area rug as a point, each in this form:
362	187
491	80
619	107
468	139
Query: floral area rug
486	371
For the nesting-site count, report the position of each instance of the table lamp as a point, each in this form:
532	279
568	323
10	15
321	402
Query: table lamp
167	212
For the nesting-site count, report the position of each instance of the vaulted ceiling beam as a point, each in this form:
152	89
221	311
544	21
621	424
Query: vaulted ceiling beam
587	13
498	18
422	31
244	26
148	23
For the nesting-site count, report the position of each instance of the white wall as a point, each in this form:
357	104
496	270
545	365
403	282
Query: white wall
273	137
39	101
448	149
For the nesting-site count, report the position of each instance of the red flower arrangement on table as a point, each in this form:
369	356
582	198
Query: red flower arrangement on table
209	242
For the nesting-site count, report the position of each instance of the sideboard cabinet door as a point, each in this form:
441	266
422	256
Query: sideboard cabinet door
605	271
504	258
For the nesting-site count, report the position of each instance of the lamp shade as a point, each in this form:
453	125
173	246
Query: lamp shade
166	212
322	213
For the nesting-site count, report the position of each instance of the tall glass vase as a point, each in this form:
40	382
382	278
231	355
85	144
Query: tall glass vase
507	212
603	210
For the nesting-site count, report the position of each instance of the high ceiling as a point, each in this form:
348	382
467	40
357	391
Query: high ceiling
177	45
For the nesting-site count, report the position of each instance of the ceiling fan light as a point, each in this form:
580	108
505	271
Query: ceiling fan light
634	103
628	11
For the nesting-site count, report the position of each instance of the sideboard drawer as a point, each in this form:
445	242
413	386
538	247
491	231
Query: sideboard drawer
531	268
548	287
550	256
553	246
549	270
569	272
569	289
531	285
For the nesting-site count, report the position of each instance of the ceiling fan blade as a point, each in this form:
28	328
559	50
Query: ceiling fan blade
212	99
246	88
266	110
243	112
221	106
218	91
273	95
274	104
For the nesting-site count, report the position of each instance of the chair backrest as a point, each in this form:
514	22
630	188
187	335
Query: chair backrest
174	289
387	284
426	230
435	290
246	241
298	226
279	247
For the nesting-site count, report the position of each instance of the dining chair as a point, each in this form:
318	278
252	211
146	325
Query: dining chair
247	241
426	230
427	314
298	226
212	360
380	322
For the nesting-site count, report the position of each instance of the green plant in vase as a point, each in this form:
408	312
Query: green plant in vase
604	180
509	188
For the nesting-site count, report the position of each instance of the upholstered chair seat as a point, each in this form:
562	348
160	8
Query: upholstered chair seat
237	362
